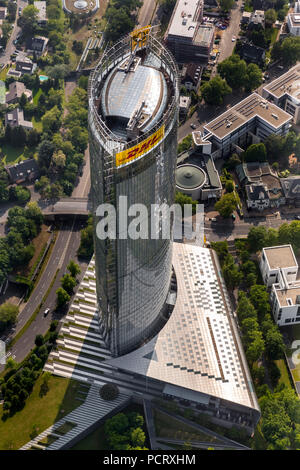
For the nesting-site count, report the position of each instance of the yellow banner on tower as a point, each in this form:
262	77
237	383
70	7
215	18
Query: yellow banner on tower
140	37
140	149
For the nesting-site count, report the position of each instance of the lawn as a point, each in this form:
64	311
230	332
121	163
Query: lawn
284	378
37	123
36	95
10	154
39	412
168	427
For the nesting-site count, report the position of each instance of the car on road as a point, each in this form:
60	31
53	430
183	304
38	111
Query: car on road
297	217
46	312
193	126
213	219
233	38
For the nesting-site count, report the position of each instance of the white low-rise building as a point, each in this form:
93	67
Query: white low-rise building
275	259
279	270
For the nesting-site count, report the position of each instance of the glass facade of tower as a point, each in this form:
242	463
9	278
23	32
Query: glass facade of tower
133	276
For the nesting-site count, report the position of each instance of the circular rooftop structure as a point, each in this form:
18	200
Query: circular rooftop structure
80	4
189	177
133	92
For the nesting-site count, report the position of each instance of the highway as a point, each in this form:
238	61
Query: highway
146	13
65	249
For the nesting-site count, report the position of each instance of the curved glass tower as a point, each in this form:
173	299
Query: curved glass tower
133	117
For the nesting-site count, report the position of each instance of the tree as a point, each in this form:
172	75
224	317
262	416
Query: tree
138	437
86	247
109	392
253	77
28	20
255	153
8	314
229	186
227	204
62	297
231	273
214	91
68	283
39	340
288	51
233	70
73	268
226	5
257	238
275	347
270	17
245	308
45	152
51	120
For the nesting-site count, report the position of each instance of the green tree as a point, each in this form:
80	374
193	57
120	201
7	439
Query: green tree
233	70
253	77
68	283
226	5
73	268
270	17
62	297
255	153
8	314
28	20
214	90
138	437
227	204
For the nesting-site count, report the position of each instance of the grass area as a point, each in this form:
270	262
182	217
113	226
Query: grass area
37	123
94	441
39	412
168	427
10	154
39	243
284	378
296	374
3	72
36	95
259	442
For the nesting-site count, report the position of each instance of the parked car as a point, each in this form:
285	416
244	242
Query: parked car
46	312
193	126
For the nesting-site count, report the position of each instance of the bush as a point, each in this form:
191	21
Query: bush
109	392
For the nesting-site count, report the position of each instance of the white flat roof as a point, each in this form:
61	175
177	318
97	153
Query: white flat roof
198	348
183	21
280	256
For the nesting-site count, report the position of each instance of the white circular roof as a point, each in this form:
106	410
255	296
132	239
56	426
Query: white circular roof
80	4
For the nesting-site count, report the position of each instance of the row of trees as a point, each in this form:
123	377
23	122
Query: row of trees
239	75
16	248
68	283
17	383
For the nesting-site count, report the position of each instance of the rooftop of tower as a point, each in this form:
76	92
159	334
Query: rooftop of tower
134	96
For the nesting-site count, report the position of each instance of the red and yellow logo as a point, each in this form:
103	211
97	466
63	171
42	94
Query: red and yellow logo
140	149
139	37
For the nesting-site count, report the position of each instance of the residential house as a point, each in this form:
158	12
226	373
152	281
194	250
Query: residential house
24	64
291	190
15	118
26	170
191	76
42	13
3	13
184	105
16	90
257	20
37	45
251	53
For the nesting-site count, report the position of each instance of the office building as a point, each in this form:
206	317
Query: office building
133	118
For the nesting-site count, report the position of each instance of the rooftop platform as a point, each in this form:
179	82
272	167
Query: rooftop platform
185	18
199	347
252	106
288	83
280	256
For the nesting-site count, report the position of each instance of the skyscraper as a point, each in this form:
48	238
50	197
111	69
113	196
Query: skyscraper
133	114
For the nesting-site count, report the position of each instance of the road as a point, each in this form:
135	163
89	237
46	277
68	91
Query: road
84	185
217	231
65	249
10	47
226	44
146	12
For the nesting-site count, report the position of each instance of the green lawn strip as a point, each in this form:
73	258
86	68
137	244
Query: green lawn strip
94	441
40	412
284	377
37	124
12	154
169	427
35	314
296	374
259	442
